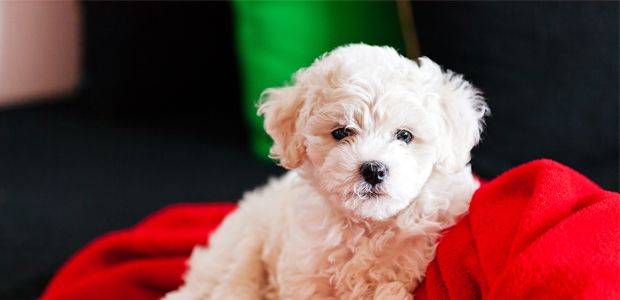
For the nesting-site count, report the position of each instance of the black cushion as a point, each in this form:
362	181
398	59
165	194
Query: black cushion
170	64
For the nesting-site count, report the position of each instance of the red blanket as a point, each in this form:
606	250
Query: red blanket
540	231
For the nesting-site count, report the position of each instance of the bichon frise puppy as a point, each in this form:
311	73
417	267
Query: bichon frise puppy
379	147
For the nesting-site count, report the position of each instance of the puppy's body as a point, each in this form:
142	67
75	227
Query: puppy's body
379	146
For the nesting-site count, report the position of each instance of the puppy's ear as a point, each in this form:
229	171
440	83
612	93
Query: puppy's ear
461	110
282	108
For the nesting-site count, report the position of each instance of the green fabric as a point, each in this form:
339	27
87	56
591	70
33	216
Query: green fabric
276	38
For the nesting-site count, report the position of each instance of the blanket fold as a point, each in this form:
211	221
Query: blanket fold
143	262
539	231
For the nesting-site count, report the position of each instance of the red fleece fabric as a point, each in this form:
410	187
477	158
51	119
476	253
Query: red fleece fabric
140	263
540	231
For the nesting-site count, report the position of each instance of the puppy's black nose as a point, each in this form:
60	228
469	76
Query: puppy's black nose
373	172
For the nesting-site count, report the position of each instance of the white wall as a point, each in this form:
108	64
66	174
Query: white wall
39	50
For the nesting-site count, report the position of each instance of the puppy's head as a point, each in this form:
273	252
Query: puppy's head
371	126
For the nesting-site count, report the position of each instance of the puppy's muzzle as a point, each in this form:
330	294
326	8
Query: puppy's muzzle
373	172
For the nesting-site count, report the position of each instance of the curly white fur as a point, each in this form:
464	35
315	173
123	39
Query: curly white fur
322	231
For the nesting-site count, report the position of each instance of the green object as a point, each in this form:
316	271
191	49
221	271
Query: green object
276	38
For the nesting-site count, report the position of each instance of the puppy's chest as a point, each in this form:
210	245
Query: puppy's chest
374	257
361	263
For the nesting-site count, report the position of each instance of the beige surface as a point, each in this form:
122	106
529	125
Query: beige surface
39	50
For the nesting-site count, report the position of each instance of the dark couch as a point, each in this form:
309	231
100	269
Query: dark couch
157	121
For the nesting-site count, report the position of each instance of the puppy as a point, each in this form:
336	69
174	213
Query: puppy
379	147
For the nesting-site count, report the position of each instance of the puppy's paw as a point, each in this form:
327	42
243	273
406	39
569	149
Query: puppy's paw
185	294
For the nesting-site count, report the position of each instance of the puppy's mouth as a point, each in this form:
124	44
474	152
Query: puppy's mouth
364	191
372	194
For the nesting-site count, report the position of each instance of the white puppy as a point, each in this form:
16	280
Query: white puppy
379	147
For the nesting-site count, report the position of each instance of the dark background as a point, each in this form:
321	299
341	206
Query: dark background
549	71
157	119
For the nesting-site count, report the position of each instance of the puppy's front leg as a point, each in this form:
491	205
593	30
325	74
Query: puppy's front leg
230	267
224	273
246	274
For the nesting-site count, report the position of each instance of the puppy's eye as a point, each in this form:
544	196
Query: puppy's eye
341	133
404	136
